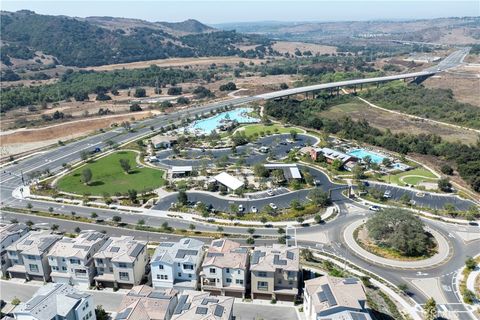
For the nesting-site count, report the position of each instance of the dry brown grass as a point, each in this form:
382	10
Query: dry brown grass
291	46
174	62
29	139
463	81
398	123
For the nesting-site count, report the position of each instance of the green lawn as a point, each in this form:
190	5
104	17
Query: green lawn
257	128
420	174
108	177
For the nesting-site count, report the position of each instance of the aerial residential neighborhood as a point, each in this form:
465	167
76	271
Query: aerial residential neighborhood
240	160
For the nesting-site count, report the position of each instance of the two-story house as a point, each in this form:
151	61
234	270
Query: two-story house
175	264
121	262
57	301
225	269
9	234
335	299
275	272
71	259
28	256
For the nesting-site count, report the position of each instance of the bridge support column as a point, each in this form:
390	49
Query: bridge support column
338	91
354	89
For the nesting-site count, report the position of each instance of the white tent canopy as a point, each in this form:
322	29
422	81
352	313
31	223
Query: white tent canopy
228	180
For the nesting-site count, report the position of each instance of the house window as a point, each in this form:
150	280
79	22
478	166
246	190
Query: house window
188	267
262	274
162	276
179	274
33	267
64	268
238	271
74	261
54	268
124	276
279	281
291	274
122	265
229	280
31	257
160	266
213	270
189	275
262	285
227	270
100	261
239	281
290	282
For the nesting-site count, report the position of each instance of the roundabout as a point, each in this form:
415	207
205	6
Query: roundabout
444	251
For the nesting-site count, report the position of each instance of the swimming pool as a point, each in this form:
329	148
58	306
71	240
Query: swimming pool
362	153
212	123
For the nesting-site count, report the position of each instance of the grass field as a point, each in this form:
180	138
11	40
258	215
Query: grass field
257	128
414	177
108	177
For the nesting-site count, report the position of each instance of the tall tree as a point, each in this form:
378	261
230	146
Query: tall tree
86	176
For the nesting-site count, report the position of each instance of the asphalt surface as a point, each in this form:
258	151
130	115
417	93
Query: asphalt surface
53	159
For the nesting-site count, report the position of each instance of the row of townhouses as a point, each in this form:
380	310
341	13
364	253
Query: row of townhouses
223	270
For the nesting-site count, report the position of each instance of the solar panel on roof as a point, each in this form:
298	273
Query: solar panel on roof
278	261
350	281
256	255
181	304
217	243
166	244
321	296
136	251
218	311
329	295
182	253
290	255
114	249
124	314
214	254
209	300
27	242
201	310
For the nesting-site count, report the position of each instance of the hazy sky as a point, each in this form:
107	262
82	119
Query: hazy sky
237	11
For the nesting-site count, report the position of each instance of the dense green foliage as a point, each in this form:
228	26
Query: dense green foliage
80	43
399	230
438	104
467	158
78	84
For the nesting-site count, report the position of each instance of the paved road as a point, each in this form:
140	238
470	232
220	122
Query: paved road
53	159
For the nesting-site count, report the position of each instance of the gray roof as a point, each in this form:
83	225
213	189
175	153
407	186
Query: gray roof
34	242
13	229
121	249
185	250
51	300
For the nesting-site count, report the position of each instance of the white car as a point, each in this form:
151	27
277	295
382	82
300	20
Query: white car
254	209
270	193
387	194
240	208
374	208
273	206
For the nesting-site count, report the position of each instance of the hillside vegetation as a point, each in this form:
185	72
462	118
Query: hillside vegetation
437	104
80	43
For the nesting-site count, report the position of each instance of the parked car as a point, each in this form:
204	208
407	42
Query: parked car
270	192
387	194
254	209
240	208
273	206
374	208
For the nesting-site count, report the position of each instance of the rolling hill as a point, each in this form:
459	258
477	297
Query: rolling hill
105	40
